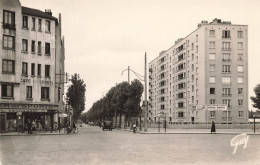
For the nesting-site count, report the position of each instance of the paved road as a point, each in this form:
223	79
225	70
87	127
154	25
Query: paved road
94	146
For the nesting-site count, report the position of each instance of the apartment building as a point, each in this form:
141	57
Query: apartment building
32	58
207	67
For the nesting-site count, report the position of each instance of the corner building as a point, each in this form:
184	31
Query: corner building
207	67
32	63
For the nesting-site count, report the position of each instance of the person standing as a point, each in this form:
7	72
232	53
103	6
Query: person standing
213	127
29	126
134	127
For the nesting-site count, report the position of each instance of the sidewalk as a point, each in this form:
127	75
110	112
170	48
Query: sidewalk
25	133
195	131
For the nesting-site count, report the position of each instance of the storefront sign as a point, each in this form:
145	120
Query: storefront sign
46	82
19	113
16	106
25	80
23	110
210	107
63	115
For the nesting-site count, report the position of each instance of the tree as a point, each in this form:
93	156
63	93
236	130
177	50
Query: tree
256	99
76	95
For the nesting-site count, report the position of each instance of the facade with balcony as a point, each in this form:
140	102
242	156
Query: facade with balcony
209	66
32	57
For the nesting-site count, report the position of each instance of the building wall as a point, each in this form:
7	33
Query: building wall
191	57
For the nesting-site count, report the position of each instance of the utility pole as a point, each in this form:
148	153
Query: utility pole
145	94
128	74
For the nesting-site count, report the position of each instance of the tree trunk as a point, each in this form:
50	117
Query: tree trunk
120	120
125	121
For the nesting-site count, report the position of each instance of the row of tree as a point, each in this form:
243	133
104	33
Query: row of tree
121	100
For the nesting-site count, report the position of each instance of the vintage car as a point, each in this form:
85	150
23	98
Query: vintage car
107	125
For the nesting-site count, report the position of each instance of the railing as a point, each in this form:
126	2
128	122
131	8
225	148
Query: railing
227	49
225	118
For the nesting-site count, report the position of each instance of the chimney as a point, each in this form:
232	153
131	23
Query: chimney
48	11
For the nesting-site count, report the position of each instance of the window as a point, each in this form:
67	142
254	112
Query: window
212	56
25	45
8	66
240	34
239	80
225	114
162	107
225	33
39	70
212	91
212	79
240	68
240	45
192	78
226	69
197	37
47	26
192	56
226	46
240	57
29	92
197	81
192	46
25	21
8	20
226	91
197	92
33	47
33	23
8	42
240	91
192	67
212	44
226	57
240	101
39	47
197	49
45	93
24	69
180	105
240	114
226	80
33	69
47	48
196	70
192	99
39	25
180	114
47	70
212	114
227	102
7	90
212	32
192	88
212	67
212	101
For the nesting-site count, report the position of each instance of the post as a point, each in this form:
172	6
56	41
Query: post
128	74
145	94
254	124
227	118
159	125
207	117
165	122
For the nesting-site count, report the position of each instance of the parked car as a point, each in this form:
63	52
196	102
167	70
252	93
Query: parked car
107	125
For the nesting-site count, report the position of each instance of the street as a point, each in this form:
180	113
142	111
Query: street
94	146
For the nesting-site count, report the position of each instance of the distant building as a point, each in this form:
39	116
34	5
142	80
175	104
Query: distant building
209	66
32	72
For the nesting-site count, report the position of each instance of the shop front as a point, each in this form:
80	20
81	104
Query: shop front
15	116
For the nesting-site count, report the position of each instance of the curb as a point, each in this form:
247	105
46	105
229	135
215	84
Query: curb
39	134
227	133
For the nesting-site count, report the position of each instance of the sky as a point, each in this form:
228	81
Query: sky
104	37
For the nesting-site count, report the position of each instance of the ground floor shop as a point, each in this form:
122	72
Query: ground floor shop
15	116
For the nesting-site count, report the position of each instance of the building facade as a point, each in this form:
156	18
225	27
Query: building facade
207	67
32	58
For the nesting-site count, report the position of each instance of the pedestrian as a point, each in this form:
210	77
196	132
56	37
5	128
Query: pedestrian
51	125
33	126
134	128
29	124
213	128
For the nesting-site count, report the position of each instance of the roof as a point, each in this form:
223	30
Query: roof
36	12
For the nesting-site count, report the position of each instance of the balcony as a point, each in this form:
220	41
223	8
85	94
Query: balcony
226	94
226	60
151	70
226	49
226	118
9	26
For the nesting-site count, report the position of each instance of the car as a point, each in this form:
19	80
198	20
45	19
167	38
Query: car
107	125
